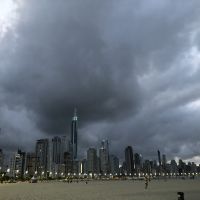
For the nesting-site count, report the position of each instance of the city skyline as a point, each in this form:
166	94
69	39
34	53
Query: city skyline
56	157
53	158
132	69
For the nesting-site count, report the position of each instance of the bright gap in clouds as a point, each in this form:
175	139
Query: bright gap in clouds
8	15
194	105
194	58
195	159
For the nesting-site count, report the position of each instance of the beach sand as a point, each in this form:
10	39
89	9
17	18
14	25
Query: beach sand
101	190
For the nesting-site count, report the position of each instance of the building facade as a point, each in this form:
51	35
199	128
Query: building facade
42	151
114	165
31	164
74	135
129	160
104	157
91	160
1	160
17	164
56	150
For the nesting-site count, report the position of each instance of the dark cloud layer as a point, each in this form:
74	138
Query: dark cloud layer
130	67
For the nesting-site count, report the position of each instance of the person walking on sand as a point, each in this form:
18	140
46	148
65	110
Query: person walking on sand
146	179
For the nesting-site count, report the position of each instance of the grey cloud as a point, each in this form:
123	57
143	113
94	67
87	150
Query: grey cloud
120	63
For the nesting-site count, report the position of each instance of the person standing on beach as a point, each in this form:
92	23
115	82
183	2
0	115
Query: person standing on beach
146	179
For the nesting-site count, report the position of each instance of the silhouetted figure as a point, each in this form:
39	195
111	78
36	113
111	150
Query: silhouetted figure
146	179
180	195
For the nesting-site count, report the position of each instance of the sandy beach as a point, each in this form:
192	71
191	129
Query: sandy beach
104	190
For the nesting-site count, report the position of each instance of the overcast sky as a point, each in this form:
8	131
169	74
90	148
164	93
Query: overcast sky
131	67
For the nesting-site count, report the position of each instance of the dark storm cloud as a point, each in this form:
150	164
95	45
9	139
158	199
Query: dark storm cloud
130	67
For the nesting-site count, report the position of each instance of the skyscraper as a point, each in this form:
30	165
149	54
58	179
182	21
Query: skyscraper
31	163
17	164
159	158
68	163
114	164
42	153
92	160
129	160
138	163
64	147
164	162
104	157
56	150
74	132
1	160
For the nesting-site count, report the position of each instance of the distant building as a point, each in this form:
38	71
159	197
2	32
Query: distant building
181	167
129	160
1	160
56	150
159	158
104	157
58	171
92	160
174	167
147	166
31	164
123	168
193	167
17	164
154	167
164	162
68	163
74	135
43	154
138	163
114	164
159	163
65	144
83	166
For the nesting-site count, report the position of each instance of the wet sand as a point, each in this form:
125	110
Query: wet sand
101	190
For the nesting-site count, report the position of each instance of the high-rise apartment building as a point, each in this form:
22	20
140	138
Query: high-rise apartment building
114	164
173	167
17	164
92	160
129	160
138	163
1	160
64	147
74	135
159	158
164	162
68	163
31	164
147	166
56	150
43	154
104	157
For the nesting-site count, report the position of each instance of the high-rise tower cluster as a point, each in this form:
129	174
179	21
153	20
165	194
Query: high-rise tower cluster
57	157
52	156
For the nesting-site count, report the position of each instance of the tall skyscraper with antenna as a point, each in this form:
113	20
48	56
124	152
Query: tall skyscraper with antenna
74	132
